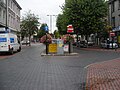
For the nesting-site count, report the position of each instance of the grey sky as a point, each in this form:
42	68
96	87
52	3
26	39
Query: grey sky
42	8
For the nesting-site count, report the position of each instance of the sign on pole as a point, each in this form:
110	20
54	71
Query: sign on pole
70	29
52	48
46	28
112	34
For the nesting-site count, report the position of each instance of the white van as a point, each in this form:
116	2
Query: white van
9	43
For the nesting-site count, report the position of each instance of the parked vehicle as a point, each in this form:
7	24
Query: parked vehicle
9	43
75	43
83	43
25	42
90	43
109	44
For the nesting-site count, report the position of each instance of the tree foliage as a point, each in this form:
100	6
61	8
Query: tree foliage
56	34
86	16
42	31
29	25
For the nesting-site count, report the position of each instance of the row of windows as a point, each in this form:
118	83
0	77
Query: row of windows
2	15
13	21
114	21
13	6
12	18
115	5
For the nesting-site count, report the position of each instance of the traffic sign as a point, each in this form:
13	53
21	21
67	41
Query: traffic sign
52	48
70	29
112	34
46	28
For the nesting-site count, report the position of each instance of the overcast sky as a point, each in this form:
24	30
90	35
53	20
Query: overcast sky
42	8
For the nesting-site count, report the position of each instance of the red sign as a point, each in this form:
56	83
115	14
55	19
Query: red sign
112	34
70	29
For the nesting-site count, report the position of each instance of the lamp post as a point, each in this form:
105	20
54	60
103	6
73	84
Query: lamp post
51	21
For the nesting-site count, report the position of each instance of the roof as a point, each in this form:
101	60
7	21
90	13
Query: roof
17	4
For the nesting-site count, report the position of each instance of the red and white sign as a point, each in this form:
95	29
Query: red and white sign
112	34
70	29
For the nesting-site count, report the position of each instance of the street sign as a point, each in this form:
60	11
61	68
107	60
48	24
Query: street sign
70	29
52	48
46	28
112	34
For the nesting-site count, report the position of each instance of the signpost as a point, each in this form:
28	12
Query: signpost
46	29
70	29
112	34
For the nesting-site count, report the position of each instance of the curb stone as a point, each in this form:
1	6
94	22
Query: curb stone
66	54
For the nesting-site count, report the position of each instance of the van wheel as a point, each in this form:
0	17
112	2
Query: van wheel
11	52
19	49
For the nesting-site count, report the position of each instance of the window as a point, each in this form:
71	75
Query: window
119	20
113	22
0	12
118	4
9	3
4	16
11	40
3	39
113	6
4	1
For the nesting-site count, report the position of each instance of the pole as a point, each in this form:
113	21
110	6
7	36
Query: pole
69	46
51	22
46	44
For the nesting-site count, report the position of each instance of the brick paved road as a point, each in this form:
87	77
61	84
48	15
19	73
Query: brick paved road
27	70
104	76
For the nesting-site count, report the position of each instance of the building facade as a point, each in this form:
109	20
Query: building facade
114	18
114	14
10	15
2	13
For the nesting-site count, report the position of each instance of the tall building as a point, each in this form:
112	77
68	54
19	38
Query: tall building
114	14
2	13
10	15
114	18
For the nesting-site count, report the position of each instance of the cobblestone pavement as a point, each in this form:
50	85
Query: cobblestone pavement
104	76
28	70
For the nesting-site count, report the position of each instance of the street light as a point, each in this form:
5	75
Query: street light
51	21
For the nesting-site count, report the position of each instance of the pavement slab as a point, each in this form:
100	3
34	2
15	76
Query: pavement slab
104	75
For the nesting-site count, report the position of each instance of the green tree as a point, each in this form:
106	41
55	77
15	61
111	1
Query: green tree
62	24
29	25
56	34
86	16
42	31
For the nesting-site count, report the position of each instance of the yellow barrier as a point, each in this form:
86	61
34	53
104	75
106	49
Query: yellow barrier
52	48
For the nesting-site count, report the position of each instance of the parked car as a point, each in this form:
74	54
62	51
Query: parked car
24	42
83	43
109	44
75	43
90	43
